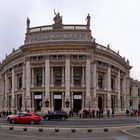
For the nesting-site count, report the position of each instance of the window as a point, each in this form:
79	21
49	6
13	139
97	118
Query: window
39	79
100	81
10	84
130	89
19	82
77	78
58	78
112	83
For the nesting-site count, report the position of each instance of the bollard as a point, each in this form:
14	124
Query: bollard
73	130
105	129
40	129
25	129
11	128
89	130
56	129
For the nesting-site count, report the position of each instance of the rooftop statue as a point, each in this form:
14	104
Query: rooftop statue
28	23
57	20
88	20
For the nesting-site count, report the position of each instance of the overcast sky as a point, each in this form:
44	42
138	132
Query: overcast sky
114	22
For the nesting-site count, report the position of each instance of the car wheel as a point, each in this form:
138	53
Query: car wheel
12	121
63	118
32	122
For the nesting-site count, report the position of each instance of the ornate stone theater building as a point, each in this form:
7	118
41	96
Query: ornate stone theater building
62	67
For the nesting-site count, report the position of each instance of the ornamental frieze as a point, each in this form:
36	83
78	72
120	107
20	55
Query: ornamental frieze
35	38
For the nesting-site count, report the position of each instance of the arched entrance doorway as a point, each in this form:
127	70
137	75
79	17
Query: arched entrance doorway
113	102
19	102
57	99
100	103
77	102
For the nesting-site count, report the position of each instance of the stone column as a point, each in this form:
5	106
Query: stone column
43	108
13	90
95	104
88	74
83	100
124	92
6	90
72	76
67	80
16	82
28	85
63	101
23	87
97	86
33	101
72	100
32	81
118	89
67	77
63	76
52	101
43	76
52	81
109	88
47	81
83	76
104	84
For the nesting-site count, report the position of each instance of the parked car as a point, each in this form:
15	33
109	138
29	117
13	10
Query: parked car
18	113
26	117
56	115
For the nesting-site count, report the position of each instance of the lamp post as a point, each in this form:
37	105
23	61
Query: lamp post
67	103
47	103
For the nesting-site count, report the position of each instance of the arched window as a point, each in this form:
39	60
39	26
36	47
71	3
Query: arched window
58	78
131	103
112	83
39	79
100	81
77	78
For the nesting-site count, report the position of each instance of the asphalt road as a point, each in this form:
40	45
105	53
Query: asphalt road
122	121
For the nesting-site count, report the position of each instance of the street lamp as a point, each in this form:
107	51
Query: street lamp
47	103
67	103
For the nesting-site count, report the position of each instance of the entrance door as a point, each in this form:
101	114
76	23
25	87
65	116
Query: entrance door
57	102
38	102
19	102
100	103
77	105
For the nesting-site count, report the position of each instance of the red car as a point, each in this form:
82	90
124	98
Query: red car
30	118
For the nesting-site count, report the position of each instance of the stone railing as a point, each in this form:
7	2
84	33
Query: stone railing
108	50
64	27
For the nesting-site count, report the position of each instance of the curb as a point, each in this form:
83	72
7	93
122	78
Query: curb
128	133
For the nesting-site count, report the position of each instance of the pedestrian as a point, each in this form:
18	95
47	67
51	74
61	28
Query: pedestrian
108	113
113	112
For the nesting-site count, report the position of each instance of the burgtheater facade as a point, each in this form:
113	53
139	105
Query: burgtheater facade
61	67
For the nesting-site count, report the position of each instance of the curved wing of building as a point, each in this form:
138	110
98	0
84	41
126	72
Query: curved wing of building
61	67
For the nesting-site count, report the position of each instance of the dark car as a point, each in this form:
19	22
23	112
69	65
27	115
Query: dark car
56	115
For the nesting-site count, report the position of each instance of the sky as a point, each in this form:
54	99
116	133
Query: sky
114	22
